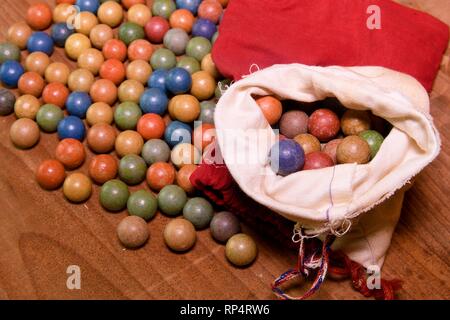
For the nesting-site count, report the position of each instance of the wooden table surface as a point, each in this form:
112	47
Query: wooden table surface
41	234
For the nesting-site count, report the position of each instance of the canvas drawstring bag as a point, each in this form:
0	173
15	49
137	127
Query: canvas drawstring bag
352	208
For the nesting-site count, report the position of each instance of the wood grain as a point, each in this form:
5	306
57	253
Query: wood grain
41	234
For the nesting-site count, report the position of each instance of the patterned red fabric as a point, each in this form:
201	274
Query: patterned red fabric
329	32
342	267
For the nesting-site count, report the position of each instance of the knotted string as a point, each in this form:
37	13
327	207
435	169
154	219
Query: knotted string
224	87
337	264
307	261
252	69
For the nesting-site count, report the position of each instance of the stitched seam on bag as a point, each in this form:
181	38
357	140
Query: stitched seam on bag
364	234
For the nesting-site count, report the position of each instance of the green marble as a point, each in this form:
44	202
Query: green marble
126	115
114	195
48	117
132	169
142	203
198	211
130	31
171	200
198	47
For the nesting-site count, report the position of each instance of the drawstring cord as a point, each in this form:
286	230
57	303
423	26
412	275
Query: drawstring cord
312	255
308	260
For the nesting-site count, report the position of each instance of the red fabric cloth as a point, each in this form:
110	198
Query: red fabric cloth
329	32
